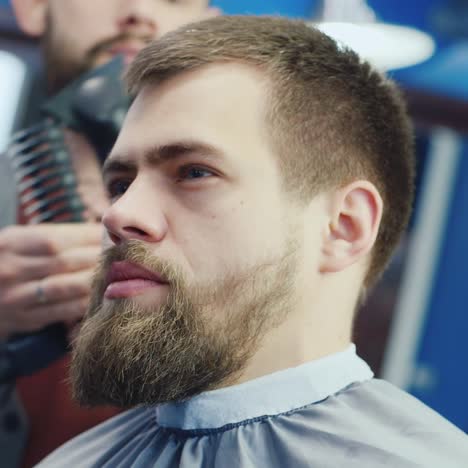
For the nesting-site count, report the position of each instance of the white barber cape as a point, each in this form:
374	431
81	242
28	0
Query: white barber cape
329	413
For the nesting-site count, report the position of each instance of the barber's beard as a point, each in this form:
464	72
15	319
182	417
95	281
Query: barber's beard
63	66
200	339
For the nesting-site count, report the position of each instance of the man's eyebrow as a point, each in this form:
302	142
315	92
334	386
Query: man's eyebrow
179	149
159	154
118	164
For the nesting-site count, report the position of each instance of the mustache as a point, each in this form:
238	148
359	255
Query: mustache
106	44
137	252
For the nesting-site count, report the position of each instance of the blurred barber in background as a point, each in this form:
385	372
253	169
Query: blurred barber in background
45	269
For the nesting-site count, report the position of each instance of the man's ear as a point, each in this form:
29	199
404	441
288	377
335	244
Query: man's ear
31	16
355	215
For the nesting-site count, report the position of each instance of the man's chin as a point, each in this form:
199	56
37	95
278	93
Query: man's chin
128	355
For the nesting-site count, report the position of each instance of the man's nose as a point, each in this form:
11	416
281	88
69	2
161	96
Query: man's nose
134	217
138	17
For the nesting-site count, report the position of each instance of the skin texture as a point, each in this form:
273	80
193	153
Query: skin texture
213	214
61	258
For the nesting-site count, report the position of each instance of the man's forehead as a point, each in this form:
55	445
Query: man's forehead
223	99
213	111
215	77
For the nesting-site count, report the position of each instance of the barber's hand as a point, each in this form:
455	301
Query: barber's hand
45	274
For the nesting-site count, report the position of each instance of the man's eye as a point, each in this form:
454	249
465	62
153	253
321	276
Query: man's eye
194	172
118	187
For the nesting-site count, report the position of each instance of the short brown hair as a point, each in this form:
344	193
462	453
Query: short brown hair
331	117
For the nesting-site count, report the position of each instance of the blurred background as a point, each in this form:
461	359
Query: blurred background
413	329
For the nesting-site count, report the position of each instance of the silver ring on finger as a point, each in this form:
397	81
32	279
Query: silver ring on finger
40	293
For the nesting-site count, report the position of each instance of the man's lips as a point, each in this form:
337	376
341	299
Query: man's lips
126	279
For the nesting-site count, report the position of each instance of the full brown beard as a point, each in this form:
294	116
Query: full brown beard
201	338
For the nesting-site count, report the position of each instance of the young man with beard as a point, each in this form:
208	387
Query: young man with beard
46	269
243	230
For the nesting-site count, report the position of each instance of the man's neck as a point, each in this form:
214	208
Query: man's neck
294	343
320	325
